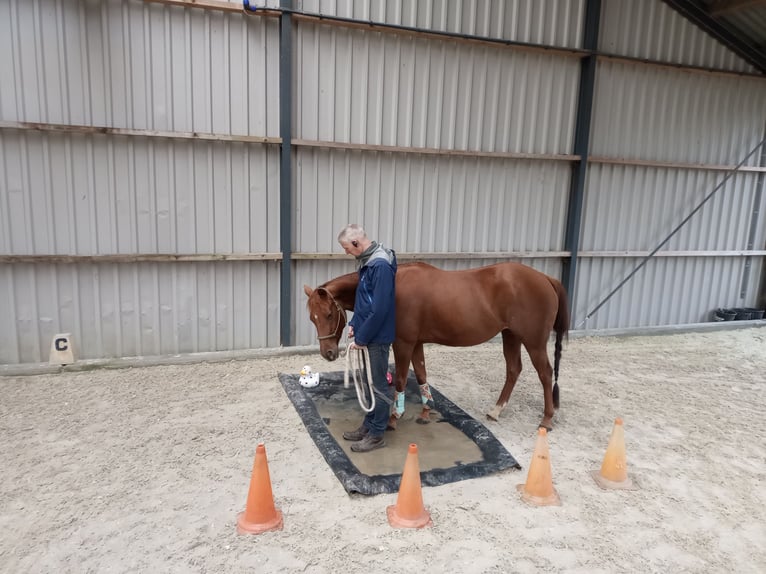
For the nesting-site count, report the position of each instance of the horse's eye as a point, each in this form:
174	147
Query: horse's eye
329	315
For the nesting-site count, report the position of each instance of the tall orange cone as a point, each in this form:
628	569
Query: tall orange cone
538	490
614	470
409	512
260	514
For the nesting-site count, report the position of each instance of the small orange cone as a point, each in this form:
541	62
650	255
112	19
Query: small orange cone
409	511
260	514
614	470
538	490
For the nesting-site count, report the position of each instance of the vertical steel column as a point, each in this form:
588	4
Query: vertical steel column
761	293
285	170
581	146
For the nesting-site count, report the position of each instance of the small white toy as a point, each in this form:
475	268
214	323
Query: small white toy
308	379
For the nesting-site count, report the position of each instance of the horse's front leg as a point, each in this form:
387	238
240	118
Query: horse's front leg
402	358
512	354
419	366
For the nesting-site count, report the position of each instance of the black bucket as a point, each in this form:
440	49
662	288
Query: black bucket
755	313
742	314
724	315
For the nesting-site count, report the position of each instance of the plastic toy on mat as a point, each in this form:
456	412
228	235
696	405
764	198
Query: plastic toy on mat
308	378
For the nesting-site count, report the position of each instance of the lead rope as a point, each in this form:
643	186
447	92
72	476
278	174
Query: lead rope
354	359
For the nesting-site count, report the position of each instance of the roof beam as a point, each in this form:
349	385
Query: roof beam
722	7
696	14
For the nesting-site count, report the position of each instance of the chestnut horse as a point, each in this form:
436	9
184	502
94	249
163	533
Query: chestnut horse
459	309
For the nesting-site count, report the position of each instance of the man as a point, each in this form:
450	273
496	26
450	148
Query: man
373	326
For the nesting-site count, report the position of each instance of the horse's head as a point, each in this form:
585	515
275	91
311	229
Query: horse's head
328	317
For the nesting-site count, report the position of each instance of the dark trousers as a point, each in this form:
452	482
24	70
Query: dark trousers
377	420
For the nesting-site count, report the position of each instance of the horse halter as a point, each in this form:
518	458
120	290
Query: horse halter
341	313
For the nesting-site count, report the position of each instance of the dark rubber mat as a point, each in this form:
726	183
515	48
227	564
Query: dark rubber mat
453	447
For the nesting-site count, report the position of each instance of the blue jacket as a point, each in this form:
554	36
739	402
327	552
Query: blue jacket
374	319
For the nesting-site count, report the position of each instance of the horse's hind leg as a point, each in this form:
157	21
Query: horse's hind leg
512	354
419	366
539	357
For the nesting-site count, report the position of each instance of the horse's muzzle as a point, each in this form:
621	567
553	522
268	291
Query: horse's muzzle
331	354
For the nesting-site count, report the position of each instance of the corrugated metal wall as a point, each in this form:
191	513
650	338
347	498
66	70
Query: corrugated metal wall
148	68
458	153
686	119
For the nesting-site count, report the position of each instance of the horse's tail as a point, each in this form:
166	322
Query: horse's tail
561	326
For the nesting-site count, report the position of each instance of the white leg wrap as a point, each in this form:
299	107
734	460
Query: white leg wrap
399	404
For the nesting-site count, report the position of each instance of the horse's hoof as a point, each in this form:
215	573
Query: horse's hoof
548	428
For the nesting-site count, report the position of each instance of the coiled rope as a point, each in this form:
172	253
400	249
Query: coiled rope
357	359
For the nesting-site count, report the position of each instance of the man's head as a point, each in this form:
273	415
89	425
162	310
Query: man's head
353	239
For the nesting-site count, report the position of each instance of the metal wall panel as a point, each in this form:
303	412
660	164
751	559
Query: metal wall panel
666	291
134	64
117	310
374	88
657	200
549	22
143	66
654	113
97	194
650	29
633	208
421	203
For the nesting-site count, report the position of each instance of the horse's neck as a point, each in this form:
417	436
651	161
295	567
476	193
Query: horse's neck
343	289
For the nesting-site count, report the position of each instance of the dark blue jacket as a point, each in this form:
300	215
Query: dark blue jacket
374	319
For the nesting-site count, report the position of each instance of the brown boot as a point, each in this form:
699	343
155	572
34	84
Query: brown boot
368	443
356	435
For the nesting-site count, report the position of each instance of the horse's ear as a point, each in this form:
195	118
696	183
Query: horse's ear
307	290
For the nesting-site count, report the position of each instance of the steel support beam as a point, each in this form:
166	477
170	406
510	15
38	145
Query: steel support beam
285	171
581	145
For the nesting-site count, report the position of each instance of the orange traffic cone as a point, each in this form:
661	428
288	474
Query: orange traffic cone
260	514
538	490
614	469
409	511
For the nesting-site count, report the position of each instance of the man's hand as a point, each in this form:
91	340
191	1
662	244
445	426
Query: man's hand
350	332
352	346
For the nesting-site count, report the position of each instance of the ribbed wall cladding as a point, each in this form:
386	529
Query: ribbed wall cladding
449	149
141	65
79	194
549	22
119	310
652	30
422	204
662	114
376	88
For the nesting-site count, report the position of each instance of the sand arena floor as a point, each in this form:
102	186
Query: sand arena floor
145	469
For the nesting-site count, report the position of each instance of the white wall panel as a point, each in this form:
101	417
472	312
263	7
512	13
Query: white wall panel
652	113
99	194
144	66
658	200
134	64
666	291
650	29
634	209
374	88
422	203
117	310
551	22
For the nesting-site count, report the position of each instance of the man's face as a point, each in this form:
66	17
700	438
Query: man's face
350	248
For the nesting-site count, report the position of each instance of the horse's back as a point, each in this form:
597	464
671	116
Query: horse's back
467	307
